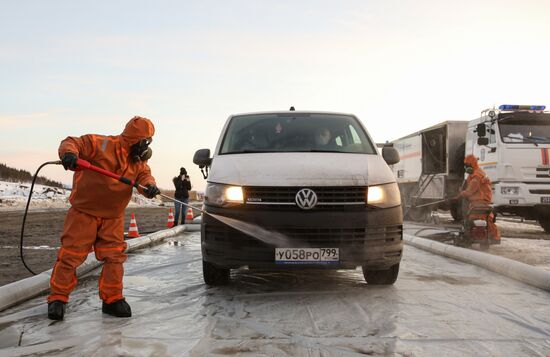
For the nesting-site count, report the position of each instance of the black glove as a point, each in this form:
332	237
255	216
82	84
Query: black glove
69	161
151	191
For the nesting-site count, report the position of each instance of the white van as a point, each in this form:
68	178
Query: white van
314	177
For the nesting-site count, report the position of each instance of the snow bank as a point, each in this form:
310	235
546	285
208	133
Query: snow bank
14	195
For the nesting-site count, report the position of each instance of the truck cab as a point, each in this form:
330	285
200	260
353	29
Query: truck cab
512	144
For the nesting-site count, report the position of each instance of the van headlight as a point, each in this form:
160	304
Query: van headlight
223	195
384	196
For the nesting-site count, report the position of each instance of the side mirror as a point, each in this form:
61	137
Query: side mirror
483	141
202	158
481	130
390	155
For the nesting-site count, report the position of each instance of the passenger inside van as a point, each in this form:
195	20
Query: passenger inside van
323	138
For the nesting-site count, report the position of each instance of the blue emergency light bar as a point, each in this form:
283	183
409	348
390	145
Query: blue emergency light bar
521	107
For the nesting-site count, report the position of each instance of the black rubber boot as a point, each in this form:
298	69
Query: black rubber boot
119	308
56	310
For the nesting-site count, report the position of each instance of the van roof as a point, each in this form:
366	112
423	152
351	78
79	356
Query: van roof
290	112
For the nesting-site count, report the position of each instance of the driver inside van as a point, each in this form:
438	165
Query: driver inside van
324	139
252	139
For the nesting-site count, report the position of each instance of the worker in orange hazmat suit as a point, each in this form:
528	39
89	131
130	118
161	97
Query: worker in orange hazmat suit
96	216
479	193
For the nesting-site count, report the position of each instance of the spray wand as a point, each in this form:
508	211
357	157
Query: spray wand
83	164
252	230
264	235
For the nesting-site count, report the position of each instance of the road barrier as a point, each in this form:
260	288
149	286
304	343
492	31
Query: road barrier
22	290
513	269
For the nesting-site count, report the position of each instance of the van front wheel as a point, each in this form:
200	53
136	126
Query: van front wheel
214	275
381	277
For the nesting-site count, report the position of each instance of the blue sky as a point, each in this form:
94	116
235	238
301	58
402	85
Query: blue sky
71	68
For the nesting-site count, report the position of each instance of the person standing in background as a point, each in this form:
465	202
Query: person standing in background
182	183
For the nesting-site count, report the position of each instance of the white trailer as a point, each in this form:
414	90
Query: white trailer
512	144
431	167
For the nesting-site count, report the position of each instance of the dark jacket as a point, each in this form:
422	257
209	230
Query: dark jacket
182	187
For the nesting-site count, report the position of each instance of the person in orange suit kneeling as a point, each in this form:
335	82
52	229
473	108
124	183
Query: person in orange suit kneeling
479	193
96	216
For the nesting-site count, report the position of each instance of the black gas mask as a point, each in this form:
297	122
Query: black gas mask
141	151
468	169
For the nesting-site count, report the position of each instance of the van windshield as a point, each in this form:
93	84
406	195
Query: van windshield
295	132
525	128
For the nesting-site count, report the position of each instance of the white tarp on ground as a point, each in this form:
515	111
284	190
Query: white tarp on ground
438	307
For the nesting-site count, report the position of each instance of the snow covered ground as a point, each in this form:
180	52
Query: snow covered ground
438	307
14	195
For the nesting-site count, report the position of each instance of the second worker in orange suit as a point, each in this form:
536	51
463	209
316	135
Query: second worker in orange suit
479	193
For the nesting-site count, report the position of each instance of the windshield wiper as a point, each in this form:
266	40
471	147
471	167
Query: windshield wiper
532	139
248	151
321	150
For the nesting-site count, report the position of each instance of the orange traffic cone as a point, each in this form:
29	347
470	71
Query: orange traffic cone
170	222
189	215
133	229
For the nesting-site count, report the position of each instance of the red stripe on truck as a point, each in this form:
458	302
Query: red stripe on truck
545	156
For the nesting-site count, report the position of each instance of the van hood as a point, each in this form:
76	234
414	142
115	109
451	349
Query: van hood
300	169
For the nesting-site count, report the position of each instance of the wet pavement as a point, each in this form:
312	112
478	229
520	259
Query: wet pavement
438	307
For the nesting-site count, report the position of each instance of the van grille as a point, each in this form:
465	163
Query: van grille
354	195
314	237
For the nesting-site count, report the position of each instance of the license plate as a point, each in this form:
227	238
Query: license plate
545	200
307	255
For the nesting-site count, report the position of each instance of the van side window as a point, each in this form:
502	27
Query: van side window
354	136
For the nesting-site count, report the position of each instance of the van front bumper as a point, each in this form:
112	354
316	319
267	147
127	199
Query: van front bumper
368	237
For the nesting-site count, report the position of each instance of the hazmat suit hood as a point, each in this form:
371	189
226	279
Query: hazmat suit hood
99	195
138	128
471	160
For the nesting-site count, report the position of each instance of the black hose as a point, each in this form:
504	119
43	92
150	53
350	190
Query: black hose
27	209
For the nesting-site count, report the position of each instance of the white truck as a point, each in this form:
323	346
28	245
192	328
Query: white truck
512	144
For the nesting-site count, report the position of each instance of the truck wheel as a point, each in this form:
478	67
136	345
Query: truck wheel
214	275
484	246
418	214
459	209
545	224
381	277
454	212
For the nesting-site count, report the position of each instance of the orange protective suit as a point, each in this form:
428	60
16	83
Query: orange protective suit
96	217
479	193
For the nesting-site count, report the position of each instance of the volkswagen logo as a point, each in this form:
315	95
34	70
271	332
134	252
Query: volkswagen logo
306	198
